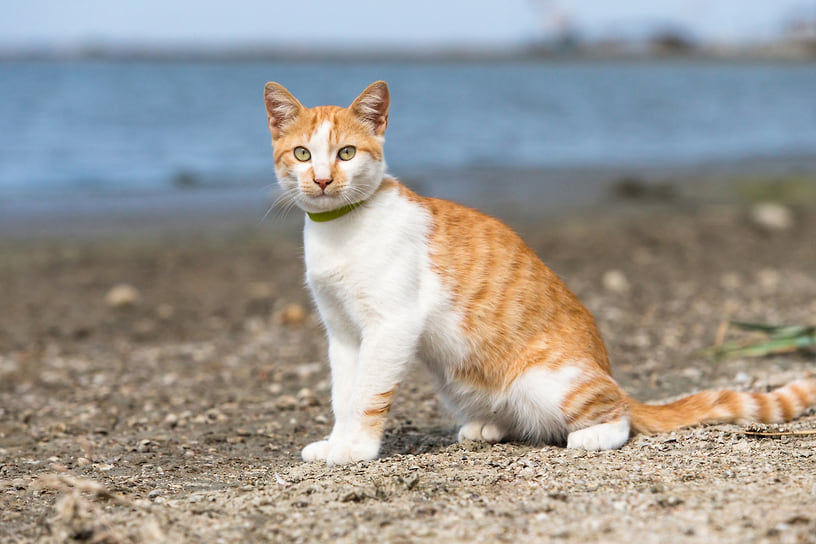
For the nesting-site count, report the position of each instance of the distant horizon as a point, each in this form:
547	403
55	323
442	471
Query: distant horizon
421	23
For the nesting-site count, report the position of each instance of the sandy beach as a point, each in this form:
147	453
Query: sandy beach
157	385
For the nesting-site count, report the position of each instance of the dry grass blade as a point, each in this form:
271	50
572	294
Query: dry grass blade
779	433
781	339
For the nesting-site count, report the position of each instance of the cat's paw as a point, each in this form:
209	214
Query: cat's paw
605	436
316	451
480	432
351	452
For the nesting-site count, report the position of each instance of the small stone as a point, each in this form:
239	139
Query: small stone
730	281
58	428
165	311
171	419
772	216
307	398
412	481
351	496
291	314
275	388
260	291
154	493
615	281
144	328
769	278
742	378
122	296
286	402
83	461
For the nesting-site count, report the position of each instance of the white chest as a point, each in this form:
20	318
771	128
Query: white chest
371	273
370	263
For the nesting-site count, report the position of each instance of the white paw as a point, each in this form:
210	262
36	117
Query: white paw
351	452
605	436
481	432
316	451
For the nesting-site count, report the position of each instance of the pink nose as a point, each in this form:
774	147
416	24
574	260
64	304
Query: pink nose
323	183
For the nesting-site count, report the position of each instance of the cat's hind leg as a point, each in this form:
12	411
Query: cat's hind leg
595	410
603	436
481	432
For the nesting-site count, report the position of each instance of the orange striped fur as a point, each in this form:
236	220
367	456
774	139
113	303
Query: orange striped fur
513	351
520	315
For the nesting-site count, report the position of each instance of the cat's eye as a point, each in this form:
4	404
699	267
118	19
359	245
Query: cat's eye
302	154
346	153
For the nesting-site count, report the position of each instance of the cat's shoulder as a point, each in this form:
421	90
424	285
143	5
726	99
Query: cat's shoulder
445	211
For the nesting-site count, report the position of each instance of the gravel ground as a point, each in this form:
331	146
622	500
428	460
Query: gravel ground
175	411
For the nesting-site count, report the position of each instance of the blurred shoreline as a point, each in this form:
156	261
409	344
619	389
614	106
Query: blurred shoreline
657	47
532	195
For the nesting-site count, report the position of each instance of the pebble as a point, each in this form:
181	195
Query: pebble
275	388
286	402
307	398
165	311
615	281
83	461
291	314
122	296
260	291
144	328
772	216
730	281
769	278
742	378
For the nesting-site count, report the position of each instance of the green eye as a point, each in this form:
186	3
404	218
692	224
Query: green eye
346	153
302	154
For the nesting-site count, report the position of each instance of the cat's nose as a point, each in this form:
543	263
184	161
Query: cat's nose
323	182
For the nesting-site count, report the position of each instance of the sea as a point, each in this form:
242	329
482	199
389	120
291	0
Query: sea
70	131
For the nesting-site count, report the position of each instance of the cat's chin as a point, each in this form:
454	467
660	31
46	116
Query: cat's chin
328	202
321	203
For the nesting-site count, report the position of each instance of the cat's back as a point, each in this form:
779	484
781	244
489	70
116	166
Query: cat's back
506	297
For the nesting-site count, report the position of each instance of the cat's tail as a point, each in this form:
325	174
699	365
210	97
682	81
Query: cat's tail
780	405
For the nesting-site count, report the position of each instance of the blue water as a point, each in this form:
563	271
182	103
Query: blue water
80	128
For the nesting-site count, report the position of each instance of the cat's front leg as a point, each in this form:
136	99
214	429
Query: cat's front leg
384	357
343	355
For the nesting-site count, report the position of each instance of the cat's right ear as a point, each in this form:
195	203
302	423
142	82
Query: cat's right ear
281	108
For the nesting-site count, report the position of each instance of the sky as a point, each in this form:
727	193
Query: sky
323	23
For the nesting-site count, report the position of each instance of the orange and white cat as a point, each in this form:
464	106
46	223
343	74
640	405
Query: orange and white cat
399	278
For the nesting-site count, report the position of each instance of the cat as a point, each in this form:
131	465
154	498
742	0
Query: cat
399	278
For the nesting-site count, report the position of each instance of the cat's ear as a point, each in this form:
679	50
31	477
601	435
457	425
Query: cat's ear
371	107
281	108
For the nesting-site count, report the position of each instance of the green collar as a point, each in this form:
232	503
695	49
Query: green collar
322	217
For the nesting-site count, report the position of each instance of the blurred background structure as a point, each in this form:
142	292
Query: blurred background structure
135	107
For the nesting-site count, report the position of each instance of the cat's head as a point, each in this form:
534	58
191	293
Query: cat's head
327	157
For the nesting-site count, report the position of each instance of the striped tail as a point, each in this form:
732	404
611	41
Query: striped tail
780	405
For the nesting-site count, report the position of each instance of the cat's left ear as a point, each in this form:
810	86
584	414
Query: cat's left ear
371	107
